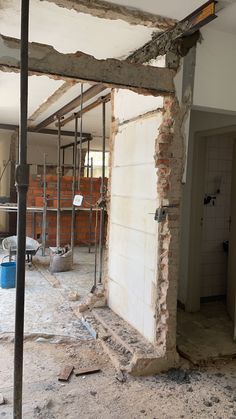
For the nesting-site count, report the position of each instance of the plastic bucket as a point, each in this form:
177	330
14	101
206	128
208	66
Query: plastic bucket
8	274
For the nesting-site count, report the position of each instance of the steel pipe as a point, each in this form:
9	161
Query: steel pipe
102	213
22	181
58	240
73	214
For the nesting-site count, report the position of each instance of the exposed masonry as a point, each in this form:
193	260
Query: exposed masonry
106	10
169	162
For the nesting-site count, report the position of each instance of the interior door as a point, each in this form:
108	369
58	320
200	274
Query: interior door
231	284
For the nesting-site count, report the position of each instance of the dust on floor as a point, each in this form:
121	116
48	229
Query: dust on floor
204	393
49	309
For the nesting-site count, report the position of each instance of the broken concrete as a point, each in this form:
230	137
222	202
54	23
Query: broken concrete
44	59
169	41
128	350
105	10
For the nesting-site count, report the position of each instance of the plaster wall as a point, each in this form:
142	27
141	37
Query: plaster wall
132	266
215	71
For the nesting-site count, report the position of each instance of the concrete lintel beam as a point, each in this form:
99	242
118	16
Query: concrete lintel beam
44	59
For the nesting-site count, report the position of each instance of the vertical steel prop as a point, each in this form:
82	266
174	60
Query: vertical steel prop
88	157
44	205
102	212
91	205
81	137
58	242
73	215
22	182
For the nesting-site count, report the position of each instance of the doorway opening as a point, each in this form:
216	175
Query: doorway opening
206	320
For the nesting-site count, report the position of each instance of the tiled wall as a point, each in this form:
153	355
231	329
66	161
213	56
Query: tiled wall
216	218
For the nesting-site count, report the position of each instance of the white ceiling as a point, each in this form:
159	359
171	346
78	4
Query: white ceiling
175	9
179	9
69	31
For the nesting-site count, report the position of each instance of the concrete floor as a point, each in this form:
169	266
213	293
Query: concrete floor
206	335
48	310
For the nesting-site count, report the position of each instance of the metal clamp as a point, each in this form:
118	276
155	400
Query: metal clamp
22	175
161	212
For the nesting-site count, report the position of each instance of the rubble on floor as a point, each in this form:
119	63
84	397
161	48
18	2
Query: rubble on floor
128	350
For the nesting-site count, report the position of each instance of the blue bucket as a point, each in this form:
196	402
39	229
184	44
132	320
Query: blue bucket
8	274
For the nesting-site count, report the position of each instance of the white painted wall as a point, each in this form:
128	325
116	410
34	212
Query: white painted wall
215	85
133	231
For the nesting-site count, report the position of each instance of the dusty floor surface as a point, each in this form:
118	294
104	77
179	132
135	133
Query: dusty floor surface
56	337
206	334
199	393
48	309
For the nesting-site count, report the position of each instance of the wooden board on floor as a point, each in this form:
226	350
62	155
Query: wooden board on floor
65	373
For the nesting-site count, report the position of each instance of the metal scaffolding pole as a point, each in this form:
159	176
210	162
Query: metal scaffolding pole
59	185
73	215
22	181
44	205
91	205
88	157
81	136
102	212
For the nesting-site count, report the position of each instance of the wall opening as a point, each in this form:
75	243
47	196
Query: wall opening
206	318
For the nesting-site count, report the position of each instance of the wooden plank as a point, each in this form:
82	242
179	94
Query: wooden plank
44	59
65	373
86	371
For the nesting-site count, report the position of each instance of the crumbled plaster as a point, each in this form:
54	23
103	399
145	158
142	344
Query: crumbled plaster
162	43
170	165
106	10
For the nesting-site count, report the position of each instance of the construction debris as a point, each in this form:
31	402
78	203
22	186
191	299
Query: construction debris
73	296
65	373
2	400
60	259
86	371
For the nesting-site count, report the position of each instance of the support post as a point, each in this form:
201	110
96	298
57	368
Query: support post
58	243
22	182
88	158
44	206
81	136
91	204
102	212
74	187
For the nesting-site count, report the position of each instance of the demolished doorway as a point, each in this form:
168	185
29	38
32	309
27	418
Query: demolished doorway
206	319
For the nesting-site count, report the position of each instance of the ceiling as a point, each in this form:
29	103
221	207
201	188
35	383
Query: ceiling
179	9
69	31
175	9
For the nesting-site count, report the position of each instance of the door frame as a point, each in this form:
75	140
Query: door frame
192	303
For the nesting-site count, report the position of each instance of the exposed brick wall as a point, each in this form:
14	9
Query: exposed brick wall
169	161
35	198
